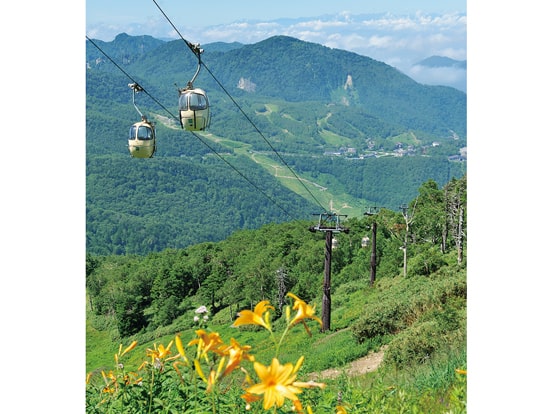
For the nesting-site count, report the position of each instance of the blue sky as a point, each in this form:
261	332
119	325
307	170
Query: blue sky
398	32
224	11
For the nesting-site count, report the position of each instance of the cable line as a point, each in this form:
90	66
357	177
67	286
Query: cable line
244	177
197	51
193	47
264	138
137	86
130	77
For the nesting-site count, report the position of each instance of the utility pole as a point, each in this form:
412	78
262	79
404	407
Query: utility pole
330	224
372	211
373	255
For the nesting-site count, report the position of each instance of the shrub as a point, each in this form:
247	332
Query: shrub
426	263
387	318
413	346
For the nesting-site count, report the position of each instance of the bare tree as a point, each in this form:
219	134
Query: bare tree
408	219
456	201
281	277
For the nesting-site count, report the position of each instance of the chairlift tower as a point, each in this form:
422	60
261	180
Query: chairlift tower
370	212
329	223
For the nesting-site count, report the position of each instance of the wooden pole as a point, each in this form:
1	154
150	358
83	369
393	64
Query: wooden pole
373	255
326	296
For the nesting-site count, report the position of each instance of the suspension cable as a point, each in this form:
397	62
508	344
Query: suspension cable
264	138
195	49
137	86
130	77
243	176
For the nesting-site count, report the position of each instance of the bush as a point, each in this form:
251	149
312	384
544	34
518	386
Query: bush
426	263
386	318
413	346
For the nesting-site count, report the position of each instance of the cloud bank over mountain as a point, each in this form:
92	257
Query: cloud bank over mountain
398	40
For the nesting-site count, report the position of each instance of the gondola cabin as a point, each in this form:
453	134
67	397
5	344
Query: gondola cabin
141	140
193	106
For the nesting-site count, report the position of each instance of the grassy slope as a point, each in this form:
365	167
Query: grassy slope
332	349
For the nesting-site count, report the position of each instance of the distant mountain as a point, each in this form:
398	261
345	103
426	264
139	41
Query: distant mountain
357	131
223	47
293	70
124	48
442	62
285	67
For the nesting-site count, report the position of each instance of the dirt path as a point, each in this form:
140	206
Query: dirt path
369	363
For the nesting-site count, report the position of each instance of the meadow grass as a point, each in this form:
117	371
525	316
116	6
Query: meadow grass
424	364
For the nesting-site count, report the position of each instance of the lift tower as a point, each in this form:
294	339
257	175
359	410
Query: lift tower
374	226
329	223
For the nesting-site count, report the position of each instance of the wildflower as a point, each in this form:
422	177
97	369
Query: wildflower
108	390
109	376
461	371
304	311
132	378
196	318
179	347
201	309
110	382
164	352
207	342
236	354
297	406
278	383
249	398
340	410
129	348
159	353
260	316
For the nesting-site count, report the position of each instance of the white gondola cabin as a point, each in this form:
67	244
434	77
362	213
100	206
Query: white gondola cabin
141	140
193	106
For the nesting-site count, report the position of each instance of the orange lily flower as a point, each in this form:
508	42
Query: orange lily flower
207	342
304	311
278	383
159	353
129	348
260	316
236	354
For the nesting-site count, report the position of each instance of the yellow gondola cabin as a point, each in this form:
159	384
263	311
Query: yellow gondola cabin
141	140
193	106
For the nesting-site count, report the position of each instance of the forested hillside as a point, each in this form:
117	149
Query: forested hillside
220	273
413	308
324	130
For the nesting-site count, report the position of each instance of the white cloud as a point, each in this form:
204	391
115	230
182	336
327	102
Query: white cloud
321	25
380	41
